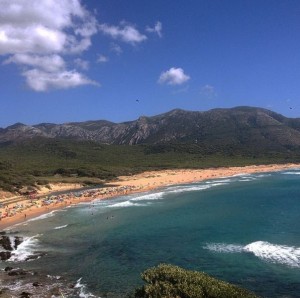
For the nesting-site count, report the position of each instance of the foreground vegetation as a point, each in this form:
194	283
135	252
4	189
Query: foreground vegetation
167	281
41	161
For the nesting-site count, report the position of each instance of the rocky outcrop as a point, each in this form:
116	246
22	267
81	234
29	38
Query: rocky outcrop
8	243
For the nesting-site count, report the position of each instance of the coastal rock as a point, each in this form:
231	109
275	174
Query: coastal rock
25	295
35	256
18	241
5	242
8	268
10	242
36	284
55	291
16	272
5	255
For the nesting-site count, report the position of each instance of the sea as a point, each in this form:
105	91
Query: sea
243	229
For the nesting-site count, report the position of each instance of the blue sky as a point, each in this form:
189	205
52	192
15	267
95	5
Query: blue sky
71	60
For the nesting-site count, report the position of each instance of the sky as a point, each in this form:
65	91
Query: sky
70	60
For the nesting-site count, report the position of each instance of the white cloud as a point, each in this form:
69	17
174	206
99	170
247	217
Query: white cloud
173	76
116	48
44	26
156	29
83	64
102	59
208	91
37	33
125	32
51	63
39	80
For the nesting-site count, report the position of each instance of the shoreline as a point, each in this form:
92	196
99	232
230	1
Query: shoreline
26	209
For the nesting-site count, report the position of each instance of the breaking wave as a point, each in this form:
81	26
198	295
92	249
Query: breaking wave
26	249
291	173
82	290
274	253
60	227
44	216
224	248
126	204
149	197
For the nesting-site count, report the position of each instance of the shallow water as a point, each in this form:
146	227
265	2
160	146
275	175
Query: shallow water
243	229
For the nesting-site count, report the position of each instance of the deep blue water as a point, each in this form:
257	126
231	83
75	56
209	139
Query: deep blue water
243	229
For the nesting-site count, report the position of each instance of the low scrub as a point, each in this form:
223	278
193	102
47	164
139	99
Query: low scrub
167	281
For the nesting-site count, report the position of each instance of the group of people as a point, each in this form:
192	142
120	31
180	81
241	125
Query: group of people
30	203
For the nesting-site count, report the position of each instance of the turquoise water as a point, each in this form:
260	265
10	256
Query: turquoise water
243	229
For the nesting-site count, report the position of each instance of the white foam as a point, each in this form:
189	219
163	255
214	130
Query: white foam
82	287
149	197
190	188
60	227
262	175
241	174
43	216
282	254
126	204
224	248
25	249
219	181
291	173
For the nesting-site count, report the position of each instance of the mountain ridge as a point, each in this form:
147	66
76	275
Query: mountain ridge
236	126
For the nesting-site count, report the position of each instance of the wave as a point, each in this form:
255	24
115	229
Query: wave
82	290
25	249
126	204
180	189
274	253
224	248
287	255
149	197
60	227
43	216
263	175
291	173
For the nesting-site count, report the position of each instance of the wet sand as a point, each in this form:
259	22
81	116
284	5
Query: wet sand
26	208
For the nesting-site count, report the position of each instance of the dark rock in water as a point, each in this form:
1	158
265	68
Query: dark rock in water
36	284
8	268
25	295
16	272
5	243
18	241
2	233
5	255
35	256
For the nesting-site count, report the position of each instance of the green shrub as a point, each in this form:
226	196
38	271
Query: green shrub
167	281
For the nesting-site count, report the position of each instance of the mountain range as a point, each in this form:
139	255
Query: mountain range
235	127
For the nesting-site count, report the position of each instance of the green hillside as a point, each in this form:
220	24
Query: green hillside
41	160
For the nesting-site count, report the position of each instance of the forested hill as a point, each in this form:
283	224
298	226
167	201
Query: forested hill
31	155
240	127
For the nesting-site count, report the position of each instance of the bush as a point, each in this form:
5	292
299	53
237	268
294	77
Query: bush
167	281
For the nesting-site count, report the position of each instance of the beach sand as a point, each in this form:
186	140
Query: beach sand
22	208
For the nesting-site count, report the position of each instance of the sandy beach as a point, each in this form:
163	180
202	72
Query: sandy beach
21	208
